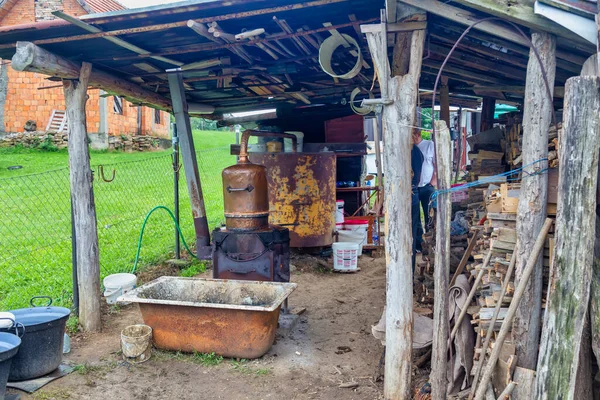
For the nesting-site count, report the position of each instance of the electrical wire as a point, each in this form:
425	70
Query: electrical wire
139	247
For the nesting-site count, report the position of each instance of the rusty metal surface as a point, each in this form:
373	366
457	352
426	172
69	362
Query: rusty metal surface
301	195
227	317
260	255
229	333
246	202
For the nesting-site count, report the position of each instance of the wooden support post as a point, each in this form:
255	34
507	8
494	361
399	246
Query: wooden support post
190	164
531	212
84	208
439	358
595	294
512	309
398	119
445	101
487	112
575	228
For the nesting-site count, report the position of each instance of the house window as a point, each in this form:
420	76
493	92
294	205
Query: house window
118	105
157	117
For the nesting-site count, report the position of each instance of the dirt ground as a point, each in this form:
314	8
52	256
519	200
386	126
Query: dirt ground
331	345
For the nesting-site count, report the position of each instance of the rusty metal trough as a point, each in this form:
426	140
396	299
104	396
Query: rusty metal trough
228	317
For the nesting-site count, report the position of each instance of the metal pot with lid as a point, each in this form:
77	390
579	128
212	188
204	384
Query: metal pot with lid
245	191
42	333
9	346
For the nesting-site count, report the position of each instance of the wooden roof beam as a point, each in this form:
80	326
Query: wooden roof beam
520	13
32	58
466	17
119	42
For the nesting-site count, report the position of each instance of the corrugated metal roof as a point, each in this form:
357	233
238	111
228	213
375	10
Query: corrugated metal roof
104	6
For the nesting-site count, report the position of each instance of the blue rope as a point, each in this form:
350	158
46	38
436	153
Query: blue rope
493	179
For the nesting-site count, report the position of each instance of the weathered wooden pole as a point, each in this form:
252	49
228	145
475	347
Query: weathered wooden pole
445	101
398	119
488	106
568	299
84	208
32	58
531	211
439	355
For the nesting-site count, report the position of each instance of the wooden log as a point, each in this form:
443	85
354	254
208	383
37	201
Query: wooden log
570	287
31	58
445	101
489	333
531	210
595	294
84	208
439	358
507	324
524	378
465	258
397	120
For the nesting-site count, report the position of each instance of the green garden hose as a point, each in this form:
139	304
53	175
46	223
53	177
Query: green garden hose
139	248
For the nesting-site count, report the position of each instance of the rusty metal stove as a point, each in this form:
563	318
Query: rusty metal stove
248	248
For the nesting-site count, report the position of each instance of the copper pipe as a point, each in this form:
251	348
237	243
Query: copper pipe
243	157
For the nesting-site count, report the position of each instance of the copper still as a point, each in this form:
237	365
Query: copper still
245	191
247	248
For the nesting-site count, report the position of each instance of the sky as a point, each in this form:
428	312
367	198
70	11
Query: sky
144	3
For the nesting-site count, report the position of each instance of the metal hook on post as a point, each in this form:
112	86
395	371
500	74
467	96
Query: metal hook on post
101	171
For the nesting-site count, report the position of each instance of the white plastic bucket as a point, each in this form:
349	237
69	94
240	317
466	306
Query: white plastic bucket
353	237
288	144
136	343
118	284
345	256
339	212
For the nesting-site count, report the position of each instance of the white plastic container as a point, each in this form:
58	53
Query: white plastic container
359	227
339	212
6	320
353	237
118	284
288	144
257	148
345	256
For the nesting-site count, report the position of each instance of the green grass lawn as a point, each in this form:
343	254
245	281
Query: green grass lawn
35	230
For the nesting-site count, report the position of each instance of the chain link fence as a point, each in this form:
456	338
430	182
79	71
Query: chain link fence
35	222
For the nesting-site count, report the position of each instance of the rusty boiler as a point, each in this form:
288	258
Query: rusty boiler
245	196
248	248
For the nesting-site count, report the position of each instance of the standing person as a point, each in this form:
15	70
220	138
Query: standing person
416	163
427	182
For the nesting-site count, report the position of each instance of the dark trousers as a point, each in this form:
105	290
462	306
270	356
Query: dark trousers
415	224
424	195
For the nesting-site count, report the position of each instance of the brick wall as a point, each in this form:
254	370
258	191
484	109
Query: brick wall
24	102
22	12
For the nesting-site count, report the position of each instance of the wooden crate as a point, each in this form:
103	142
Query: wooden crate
509	193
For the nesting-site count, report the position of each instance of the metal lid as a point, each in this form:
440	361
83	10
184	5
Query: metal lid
9	345
38	317
6	320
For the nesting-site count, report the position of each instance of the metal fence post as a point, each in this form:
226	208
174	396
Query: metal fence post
175	141
74	263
